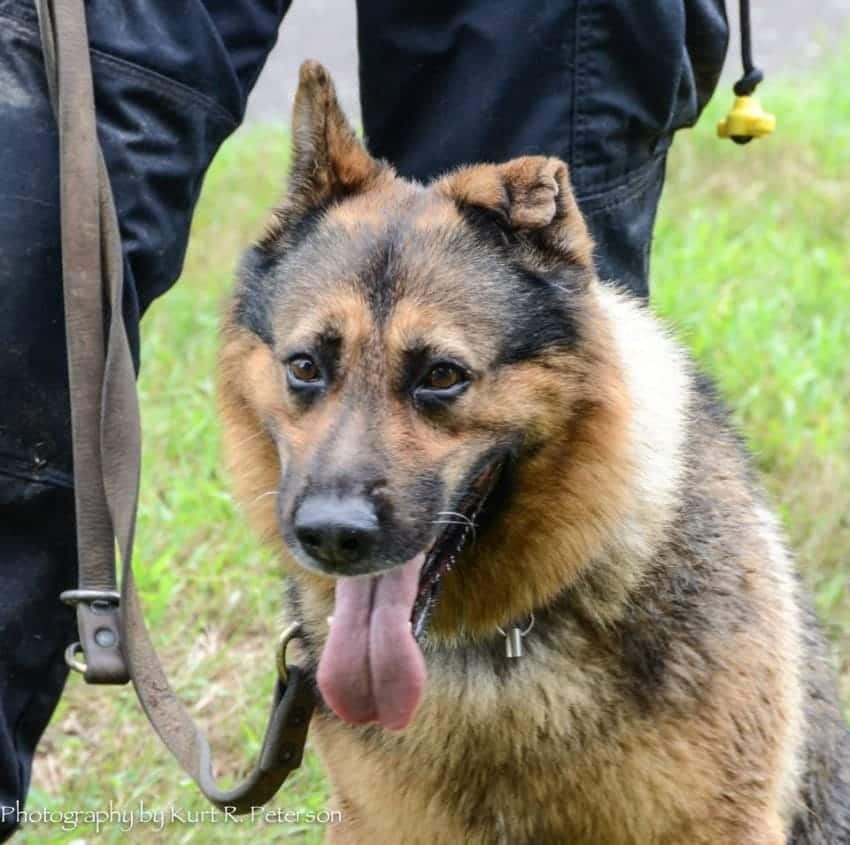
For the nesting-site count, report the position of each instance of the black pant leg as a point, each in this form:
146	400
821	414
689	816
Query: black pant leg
37	562
603	84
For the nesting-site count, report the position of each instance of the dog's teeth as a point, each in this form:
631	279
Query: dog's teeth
330	620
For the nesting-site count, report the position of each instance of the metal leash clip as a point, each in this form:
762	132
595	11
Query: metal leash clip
289	633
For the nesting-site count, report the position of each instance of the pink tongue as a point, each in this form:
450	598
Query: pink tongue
372	669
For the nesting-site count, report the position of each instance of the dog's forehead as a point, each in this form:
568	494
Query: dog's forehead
397	201
403	259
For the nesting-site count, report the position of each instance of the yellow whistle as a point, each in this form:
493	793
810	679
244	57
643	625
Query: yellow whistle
746	121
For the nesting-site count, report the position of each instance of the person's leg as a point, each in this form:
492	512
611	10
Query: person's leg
170	85
601	83
37	559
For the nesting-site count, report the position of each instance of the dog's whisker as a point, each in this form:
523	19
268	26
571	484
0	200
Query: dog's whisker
463	519
248	439
461	516
263	496
451	522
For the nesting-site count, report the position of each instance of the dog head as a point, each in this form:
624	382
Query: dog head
407	369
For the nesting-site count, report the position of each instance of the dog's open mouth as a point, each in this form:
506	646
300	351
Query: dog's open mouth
371	668
443	553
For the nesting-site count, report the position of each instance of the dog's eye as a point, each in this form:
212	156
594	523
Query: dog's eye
303	369
443	377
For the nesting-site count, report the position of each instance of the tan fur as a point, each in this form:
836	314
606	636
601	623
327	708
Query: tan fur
244	365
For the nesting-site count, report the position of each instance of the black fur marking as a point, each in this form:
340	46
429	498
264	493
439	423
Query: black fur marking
381	276
491	226
258	282
297	231
545	317
255	293
824	817
711	403
500	496
329	347
544	304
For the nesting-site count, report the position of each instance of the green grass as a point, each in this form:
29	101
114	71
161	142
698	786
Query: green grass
751	265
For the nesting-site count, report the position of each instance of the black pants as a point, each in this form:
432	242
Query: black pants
602	83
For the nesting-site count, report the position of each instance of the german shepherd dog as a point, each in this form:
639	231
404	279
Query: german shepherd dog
475	444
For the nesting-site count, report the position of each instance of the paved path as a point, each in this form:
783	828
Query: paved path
788	35
312	29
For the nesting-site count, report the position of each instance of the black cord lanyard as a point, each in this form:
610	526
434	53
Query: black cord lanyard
746	85
747	119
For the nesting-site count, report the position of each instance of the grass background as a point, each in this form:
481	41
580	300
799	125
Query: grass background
751	265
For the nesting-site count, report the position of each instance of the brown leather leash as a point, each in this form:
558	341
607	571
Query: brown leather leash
106	437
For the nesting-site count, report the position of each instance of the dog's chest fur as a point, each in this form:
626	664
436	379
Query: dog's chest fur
517	761
588	738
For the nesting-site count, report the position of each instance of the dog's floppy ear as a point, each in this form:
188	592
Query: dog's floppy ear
528	196
328	160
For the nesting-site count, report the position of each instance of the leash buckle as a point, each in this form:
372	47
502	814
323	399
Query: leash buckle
99	643
100	600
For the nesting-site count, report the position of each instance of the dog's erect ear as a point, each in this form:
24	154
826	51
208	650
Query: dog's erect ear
529	195
328	159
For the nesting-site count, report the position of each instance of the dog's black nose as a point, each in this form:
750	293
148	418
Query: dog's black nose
337	531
